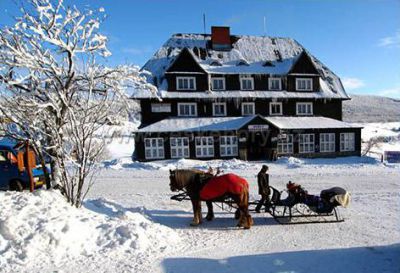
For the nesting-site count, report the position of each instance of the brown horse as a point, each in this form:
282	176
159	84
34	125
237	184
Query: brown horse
190	181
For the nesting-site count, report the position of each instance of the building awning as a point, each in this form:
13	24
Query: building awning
309	123
214	124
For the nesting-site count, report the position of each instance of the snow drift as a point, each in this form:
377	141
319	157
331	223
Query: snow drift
43	227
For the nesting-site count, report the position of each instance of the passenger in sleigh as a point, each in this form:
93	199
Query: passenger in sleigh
324	203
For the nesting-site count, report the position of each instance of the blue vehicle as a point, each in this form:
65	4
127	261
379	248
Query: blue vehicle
13	174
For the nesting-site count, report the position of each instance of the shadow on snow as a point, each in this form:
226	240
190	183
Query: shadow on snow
360	259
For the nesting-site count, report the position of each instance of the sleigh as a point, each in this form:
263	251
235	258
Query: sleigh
302	208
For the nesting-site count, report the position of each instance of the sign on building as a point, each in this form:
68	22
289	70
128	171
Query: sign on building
258	127
391	156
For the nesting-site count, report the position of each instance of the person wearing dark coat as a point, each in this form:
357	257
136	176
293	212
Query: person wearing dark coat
263	189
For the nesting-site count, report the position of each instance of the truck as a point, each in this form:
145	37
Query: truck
14	174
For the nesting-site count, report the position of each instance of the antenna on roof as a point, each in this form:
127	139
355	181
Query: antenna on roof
265	28
204	24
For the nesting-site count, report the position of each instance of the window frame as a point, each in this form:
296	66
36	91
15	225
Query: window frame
179	104
270	83
179	147
223	83
219	103
310	80
308	143
233	147
157	148
275	103
154	107
323	143
203	146
285	144
345	144
246	77
188	79
247	104
304	103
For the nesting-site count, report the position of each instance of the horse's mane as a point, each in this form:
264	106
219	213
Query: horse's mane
186	175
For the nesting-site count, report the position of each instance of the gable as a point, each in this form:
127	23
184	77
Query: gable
185	62
303	65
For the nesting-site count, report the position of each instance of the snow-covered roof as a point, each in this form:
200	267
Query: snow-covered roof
259	55
197	124
234	94
309	123
180	124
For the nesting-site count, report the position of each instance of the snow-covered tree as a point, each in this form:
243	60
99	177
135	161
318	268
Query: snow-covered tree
56	92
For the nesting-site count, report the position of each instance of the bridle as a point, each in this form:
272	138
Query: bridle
177	183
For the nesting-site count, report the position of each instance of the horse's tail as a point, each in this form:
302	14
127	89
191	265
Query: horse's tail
248	218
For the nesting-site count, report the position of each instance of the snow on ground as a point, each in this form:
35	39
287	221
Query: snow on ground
368	240
41	230
129	224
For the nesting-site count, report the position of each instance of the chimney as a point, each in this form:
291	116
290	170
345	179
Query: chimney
221	38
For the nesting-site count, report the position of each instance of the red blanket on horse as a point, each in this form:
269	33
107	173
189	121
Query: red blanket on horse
221	185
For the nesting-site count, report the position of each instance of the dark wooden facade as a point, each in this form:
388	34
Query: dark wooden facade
326	108
251	145
254	145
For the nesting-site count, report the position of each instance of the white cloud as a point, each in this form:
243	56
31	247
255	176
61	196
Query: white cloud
391	92
390	41
352	83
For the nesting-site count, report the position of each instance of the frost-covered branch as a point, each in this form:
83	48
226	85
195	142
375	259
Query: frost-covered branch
53	89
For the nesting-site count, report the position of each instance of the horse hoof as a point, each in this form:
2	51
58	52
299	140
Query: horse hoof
193	224
209	218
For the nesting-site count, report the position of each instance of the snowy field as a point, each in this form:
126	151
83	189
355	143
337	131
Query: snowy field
129	223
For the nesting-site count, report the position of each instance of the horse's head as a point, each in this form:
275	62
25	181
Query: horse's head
179	179
174	185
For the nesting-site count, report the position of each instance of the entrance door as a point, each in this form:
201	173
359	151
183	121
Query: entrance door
257	146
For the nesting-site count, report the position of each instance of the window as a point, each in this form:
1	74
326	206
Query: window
3	156
275	108
304	84
228	145
218	83
285	144
161	107
274	84
248	109
179	147
154	148
187	109
304	108
246	82
327	142
204	147
219	109
347	142
185	83
306	143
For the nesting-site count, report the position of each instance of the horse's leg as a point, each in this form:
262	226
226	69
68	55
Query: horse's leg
196	212
210	213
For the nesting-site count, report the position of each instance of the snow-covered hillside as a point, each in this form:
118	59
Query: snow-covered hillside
362	108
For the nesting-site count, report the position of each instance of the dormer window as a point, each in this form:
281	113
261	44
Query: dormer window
218	83
304	84
246	82
185	83
274	84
